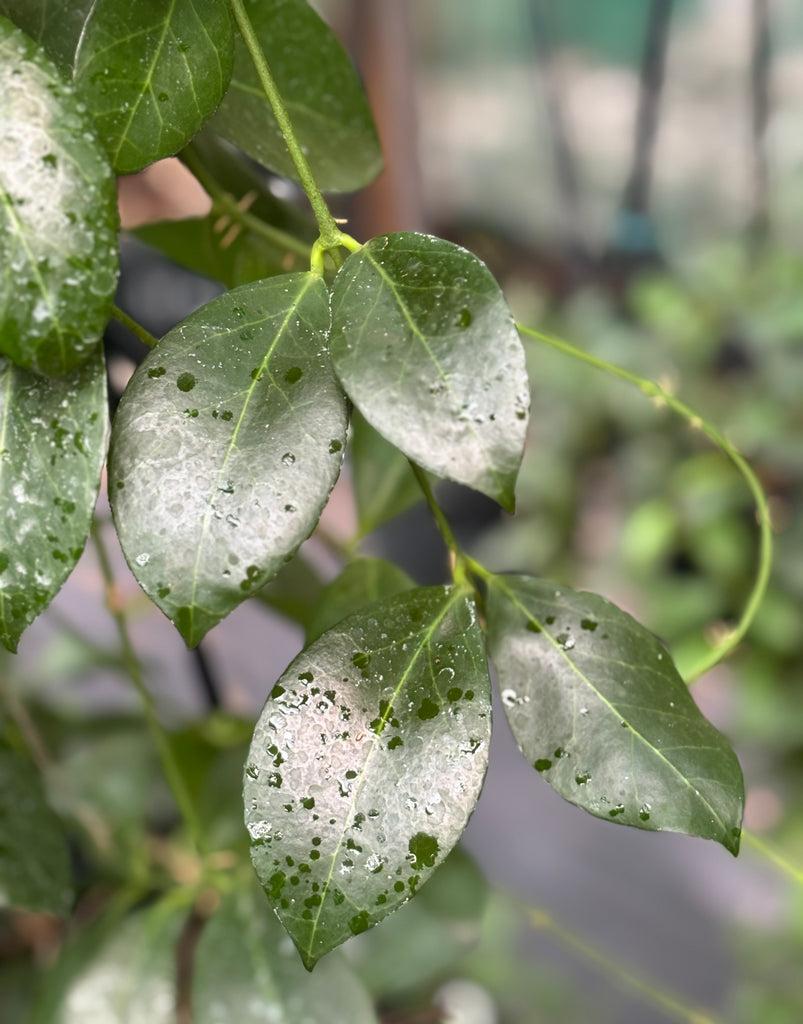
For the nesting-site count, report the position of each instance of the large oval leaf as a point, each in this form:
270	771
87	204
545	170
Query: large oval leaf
52	448
58	215
152	72
366	763
225	447
427	350
598	708
247	970
34	859
320	90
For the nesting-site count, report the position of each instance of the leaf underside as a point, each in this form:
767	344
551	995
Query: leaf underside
366	763
425	347
225	447
52	449
599	709
58	216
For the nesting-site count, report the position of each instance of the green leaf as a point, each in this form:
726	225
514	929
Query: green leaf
246	970
58	216
294	591
366	763
384	485
222	252
427	350
598	708
238	410
362	582
320	89
34	860
124	974
152	72
52	448
54	25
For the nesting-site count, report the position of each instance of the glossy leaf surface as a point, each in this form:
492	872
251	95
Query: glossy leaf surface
362	582
366	763
247	970
152	72
34	860
225	447
54	25
131	977
427	350
58	216
323	97
52	448
598	708
384	484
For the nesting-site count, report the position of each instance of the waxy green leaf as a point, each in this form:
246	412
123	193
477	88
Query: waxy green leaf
152	72
225	447
58	215
598	708
366	763
426	348
34	860
123	973
52	449
247	970
363	581
384	484
323	96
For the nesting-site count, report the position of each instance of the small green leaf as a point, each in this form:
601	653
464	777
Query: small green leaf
58	216
366	763
34	860
52	448
598	708
239	410
362	582
152	72
294	591
384	485
246	970
427	350
124	974
322	93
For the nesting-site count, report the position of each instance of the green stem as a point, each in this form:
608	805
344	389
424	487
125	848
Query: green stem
144	336
666	1001
224	202
169	764
766	851
330	233
655	391
459	559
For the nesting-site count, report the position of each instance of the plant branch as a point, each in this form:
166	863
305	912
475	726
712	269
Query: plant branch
459	561
136	328
656	392
134	668
225	203
330	233
669	1002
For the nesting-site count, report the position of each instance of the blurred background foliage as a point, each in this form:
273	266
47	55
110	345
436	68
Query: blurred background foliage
632	172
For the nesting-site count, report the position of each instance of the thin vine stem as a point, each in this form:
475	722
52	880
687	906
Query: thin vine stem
330	233
653	390
158	734
666	1001
136	328
459	560
224	202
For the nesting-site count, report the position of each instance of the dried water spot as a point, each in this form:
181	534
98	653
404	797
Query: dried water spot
428	709
424	850
542	764
186	382
335	446
294	374
588	624
359	923
156	371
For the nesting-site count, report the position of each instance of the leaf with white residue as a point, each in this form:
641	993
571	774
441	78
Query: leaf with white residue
366	763
225	447
598	708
